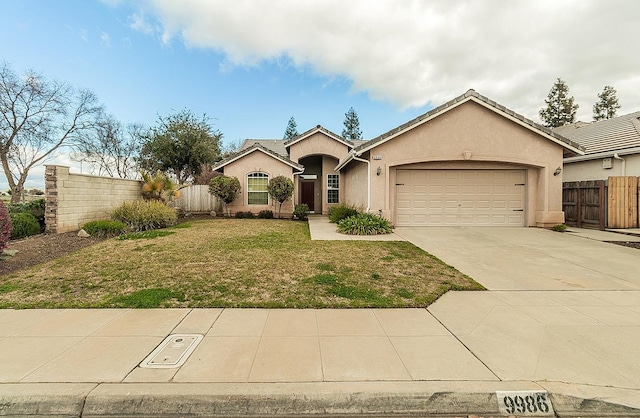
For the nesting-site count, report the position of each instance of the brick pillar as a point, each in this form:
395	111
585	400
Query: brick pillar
51	198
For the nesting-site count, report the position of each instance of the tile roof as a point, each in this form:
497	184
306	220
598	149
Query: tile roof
472	94
606	135
275	145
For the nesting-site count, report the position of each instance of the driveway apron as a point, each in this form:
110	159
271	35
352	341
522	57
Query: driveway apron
560	307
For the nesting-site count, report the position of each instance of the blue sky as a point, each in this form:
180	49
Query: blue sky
251	65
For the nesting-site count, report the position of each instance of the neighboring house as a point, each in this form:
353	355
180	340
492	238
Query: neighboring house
612	148
470	161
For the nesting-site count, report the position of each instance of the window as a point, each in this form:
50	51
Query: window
257	189
333	188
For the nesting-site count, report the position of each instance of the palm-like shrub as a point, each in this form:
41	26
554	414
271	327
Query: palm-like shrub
159	187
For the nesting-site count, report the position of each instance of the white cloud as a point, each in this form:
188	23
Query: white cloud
138	22
414	52
105	39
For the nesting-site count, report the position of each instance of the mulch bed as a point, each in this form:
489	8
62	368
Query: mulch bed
37	249
627	244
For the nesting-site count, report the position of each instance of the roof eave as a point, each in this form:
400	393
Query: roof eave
318	129
252	149
603	154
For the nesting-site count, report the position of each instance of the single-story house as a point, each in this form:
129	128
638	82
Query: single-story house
612	148
470	161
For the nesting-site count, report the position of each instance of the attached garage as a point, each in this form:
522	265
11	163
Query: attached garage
460	197
470	161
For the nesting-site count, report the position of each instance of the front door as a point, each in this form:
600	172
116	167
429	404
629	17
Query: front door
307	194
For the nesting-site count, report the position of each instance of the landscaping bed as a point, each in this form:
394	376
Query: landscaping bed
234	263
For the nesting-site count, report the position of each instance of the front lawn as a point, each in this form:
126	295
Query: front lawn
235	263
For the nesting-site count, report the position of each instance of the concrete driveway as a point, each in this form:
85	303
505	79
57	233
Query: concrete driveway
532	258
560	307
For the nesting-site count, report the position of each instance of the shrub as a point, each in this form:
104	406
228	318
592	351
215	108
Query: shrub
142	215
559	228
340	212
5	226
265	214
244	215
105	228
23	224
301	212
35	207
226	189
280	188
364	224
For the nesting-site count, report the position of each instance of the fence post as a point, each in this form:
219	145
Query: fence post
579	205
51	198
602	208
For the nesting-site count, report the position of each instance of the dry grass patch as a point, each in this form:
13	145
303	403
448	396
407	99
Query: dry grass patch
236	263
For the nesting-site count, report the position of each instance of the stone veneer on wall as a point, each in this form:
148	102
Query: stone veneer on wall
75	199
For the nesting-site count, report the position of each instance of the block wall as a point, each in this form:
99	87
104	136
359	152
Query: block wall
75	199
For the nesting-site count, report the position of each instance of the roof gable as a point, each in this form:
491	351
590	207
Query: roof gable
275	145
471	95
257	147
319	129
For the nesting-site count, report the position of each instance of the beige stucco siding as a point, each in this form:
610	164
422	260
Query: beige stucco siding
472	136
317	144
593	170
354	178
258	162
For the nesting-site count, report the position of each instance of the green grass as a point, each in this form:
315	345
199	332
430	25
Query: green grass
155	233
235	263
146	298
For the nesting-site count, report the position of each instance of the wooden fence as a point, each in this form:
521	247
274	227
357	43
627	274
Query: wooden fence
583	203
623	202
197	199
601	204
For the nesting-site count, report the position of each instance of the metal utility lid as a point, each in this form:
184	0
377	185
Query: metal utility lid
172	352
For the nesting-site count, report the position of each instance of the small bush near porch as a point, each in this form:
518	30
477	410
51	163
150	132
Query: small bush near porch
235	263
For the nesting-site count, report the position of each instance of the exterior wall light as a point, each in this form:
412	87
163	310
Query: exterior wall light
378	171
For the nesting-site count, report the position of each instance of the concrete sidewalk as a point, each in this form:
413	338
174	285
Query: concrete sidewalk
361	361
568	339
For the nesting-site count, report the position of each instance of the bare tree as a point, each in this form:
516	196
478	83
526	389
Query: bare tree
38	116
112	150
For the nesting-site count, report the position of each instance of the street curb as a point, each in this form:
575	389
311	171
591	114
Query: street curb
435	399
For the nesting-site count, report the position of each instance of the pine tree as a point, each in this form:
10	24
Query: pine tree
607	104
351	129
292	129
561	109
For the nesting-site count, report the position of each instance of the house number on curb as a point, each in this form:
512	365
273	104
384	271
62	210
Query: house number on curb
524	403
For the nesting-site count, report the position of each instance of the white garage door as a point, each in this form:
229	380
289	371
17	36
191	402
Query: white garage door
460	197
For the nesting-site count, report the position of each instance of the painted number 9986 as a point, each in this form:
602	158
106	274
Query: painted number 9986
526	403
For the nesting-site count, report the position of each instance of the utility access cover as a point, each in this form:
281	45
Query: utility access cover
172	352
